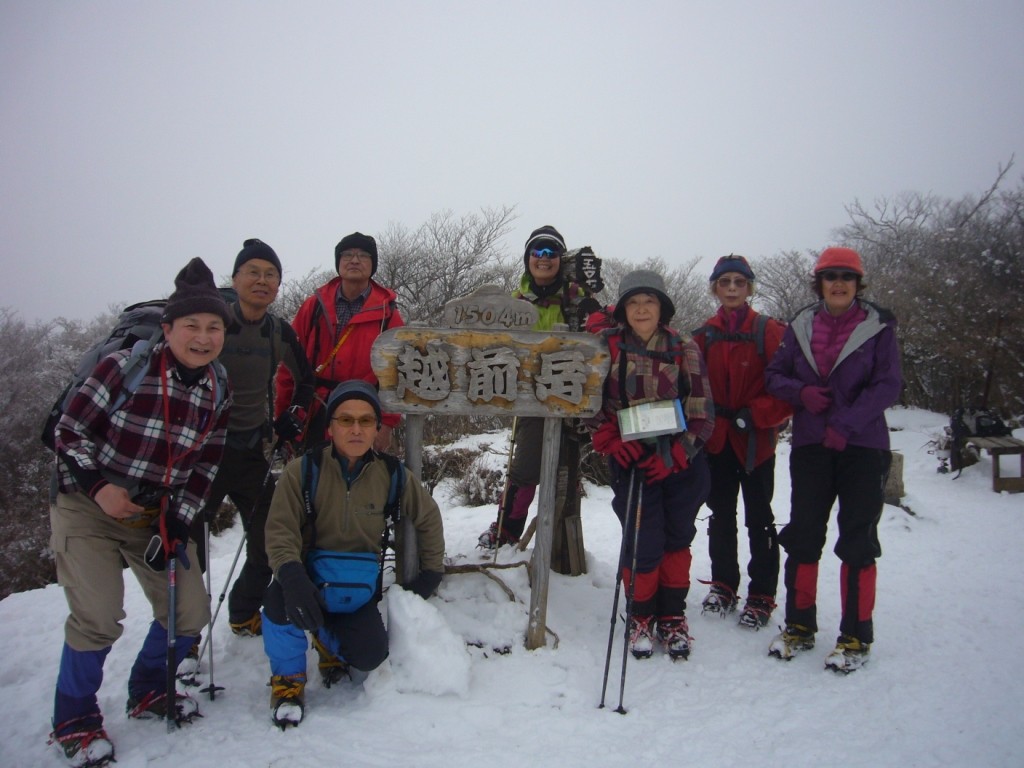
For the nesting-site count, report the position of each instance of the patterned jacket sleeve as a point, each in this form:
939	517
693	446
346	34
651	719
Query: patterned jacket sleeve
699	407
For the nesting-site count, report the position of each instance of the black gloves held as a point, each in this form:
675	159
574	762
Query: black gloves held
159	551
424	584
302	602
288	425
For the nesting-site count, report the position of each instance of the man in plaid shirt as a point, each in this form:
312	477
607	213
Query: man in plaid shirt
130	481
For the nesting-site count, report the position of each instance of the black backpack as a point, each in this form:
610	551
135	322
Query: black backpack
972	422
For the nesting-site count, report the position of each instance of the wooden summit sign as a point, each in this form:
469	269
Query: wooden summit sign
488	362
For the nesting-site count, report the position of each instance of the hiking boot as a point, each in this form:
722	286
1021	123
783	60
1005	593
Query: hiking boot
287	699
89	747
251	627
788	643
641	636
153	706
674	634
850	654
721	600
756	612
489	539
189	667
332	669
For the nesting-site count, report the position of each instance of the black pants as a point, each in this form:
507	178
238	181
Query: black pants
240	477
728	477
358	637
856	477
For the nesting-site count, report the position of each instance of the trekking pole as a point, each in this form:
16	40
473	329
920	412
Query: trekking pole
227	582
618	586
630	593
172	607
504	493
211	688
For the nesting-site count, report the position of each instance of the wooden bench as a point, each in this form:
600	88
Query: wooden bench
1002	446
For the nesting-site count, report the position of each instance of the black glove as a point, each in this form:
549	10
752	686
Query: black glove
302	602
288	425
159	550
743	421
424	584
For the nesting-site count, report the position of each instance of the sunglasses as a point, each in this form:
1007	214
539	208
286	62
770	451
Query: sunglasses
347	422
544	253
725	282
846	277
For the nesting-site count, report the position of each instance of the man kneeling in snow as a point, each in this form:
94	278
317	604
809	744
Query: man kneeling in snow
327	524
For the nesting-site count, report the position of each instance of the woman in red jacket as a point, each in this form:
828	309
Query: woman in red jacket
737	343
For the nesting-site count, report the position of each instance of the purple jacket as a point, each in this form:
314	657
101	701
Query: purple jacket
865	380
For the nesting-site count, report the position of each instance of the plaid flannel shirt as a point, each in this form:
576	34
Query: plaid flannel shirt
129	447
653	373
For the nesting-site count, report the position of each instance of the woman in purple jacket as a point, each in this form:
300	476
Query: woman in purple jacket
839	367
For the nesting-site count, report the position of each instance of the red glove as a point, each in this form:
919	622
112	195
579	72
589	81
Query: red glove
679	456
654	468
606	440
834	440
816	399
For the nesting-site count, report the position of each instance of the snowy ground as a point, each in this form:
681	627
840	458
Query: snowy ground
942	687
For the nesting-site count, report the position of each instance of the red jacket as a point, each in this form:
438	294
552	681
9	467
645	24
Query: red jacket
316	324
736	373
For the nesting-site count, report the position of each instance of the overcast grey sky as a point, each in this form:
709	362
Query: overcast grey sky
136	135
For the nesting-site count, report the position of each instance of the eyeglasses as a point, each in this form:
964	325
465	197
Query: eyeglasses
356	256
725	282
270	275
831	276
545	253
347	422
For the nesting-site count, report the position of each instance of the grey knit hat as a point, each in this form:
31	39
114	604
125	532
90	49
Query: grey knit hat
644	281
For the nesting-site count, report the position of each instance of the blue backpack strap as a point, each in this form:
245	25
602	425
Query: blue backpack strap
310	479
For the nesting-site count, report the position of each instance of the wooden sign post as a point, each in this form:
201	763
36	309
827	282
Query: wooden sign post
488	362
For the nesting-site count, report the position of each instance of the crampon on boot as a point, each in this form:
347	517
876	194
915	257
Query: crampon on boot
757	612
721	600
251	627
332	669
87	746
153	706
849	655
790	641
287	699
641	636
674	634
489	539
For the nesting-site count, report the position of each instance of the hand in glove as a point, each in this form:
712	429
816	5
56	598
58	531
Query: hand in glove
743	421
302	602
172	541
288	425
424	584
816	399
654	468
606	440
834	440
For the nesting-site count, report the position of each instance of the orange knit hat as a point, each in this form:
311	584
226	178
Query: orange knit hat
839	258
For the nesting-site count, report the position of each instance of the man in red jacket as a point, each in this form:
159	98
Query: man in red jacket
337	326
737	344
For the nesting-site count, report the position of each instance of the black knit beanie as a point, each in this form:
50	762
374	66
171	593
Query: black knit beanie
360	241
543	237
194	292
256	249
